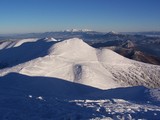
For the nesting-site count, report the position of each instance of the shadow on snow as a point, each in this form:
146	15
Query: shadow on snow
23	53
38	97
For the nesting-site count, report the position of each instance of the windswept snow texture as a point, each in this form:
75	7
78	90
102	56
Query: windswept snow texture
46	79
30	98
11	44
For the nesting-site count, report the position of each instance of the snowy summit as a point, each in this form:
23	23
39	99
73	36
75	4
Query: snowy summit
77	30
80	62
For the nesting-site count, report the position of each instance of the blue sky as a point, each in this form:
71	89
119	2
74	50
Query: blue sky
23	16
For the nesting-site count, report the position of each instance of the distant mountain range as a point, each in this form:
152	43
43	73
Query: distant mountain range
86	34
133	50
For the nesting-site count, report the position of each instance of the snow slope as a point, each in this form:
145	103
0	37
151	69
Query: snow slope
31	98
23	51
45	79
16	43
76	61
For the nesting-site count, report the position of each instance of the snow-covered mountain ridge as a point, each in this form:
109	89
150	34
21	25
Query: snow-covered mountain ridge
76	61
50	80
77	30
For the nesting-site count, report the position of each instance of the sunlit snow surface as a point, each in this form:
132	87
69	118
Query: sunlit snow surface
50	80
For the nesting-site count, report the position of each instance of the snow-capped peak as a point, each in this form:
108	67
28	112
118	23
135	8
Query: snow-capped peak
77	30
74	48
112	32
49	39
86	30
